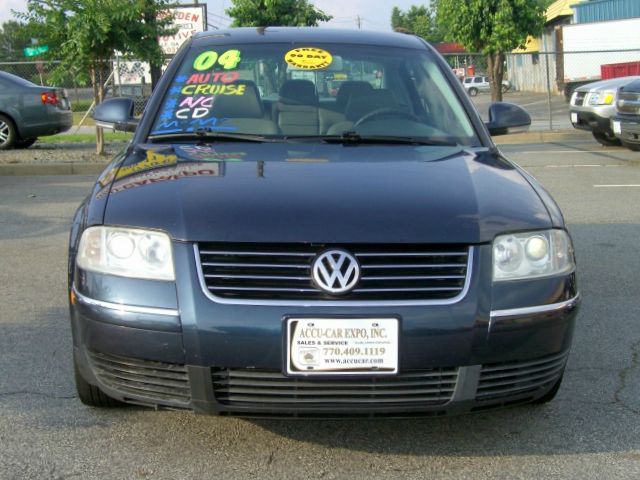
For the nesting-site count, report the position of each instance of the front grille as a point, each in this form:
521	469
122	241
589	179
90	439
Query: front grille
283	272
516	378
628	102
143	380
579	98
251	387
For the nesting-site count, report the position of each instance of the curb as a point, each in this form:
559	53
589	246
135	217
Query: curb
543	137
18	169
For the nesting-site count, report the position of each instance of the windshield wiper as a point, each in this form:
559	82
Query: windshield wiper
206	135
354	138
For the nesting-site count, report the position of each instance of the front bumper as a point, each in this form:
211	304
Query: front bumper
627	129
167	345
592	119
54	120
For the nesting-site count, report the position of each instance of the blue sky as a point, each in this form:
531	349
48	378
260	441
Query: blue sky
375	14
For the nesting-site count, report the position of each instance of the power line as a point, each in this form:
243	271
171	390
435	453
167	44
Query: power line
217	21
222	17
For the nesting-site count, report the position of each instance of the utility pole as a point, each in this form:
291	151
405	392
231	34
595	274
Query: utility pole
359	22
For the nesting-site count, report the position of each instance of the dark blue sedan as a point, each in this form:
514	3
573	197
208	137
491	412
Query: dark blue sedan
268	247
28	111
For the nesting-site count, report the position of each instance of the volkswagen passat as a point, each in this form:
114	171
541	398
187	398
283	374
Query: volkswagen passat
263	247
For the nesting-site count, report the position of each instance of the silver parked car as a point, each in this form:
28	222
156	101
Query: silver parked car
593	105
476	84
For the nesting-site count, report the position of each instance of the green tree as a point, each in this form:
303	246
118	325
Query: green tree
491	27
418	20
89	32
267	13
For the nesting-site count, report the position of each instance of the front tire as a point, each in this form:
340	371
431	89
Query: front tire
8	134
606	138
473	91
90	394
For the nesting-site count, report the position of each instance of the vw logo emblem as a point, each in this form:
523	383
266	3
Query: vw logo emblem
335	271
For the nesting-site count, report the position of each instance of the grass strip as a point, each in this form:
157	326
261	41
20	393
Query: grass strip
86	138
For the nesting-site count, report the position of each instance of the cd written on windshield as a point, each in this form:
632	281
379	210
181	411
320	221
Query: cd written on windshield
308	58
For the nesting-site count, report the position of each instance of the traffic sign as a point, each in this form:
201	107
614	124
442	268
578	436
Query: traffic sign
35	51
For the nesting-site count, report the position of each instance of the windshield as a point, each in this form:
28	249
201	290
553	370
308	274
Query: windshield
284	92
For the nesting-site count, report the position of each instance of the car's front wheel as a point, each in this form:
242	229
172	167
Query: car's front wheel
8	133
90	394
473	91
606	138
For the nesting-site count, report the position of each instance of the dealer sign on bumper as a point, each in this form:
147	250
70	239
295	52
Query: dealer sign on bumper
342	346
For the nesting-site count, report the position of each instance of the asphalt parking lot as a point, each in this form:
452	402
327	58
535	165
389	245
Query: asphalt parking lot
591	430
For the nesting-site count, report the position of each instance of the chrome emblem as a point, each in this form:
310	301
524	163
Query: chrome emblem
336	271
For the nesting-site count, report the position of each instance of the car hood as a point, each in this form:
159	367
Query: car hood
612	83
320	193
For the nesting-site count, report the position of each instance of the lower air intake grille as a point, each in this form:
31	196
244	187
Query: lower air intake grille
515	378
144	380
250	387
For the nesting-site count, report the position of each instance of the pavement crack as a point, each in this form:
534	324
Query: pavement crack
623	376
41	394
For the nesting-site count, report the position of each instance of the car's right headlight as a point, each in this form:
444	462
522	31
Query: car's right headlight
601	98
543	253
573	98
128	252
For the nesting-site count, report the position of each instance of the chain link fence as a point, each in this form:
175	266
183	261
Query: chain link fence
541	82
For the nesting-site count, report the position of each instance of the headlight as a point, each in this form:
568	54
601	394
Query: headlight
532	255
573	98
126	252
601	98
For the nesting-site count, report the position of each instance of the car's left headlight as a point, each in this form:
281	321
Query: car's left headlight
527	255
601	98
128	252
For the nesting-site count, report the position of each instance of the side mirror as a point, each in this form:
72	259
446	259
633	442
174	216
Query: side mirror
507	118
116	114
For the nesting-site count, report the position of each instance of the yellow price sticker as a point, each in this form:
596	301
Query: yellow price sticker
308	58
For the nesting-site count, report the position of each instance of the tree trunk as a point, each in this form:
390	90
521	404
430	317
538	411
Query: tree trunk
156	73
495	63
96	80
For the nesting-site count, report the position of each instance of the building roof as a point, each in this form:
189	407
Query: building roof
532	45
561	8
606	10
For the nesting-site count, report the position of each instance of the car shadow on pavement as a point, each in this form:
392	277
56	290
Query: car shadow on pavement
561	428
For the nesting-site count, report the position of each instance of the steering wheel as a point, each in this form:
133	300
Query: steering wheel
381	112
